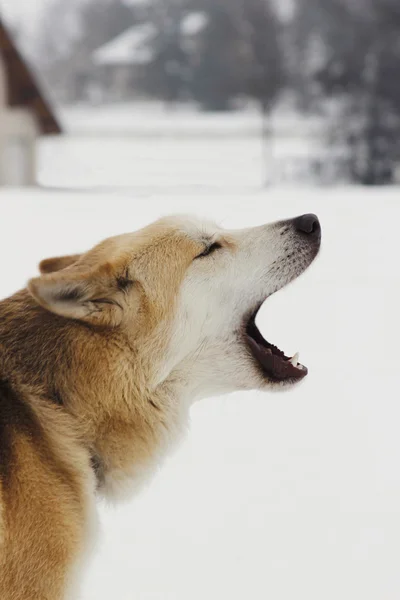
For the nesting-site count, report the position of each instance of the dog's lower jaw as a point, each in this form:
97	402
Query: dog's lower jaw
222	367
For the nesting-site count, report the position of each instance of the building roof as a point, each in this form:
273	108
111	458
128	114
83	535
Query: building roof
134	45
23	90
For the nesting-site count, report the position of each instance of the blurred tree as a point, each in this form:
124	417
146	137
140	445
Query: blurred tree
55	39
166	75
304	32
264	68
102	20
239	54
212	51
359	53
231	49
361	72
216	69
65	45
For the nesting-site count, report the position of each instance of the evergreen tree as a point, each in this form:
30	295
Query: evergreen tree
359	54
361	71
166	75
216	74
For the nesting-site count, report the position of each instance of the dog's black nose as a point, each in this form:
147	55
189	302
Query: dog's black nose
308	224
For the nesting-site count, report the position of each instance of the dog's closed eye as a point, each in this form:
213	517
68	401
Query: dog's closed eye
209	250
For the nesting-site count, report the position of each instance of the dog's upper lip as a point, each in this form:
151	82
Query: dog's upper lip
274	363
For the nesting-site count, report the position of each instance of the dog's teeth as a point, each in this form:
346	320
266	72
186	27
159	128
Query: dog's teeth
295	359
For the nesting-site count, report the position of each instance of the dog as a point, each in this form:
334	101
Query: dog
101	357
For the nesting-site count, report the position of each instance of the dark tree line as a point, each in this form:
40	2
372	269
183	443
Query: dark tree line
236	54
360	47
69	33
343	54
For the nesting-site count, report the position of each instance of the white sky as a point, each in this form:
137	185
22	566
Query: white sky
22	9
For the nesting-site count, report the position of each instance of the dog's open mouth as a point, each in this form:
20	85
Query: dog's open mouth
273	362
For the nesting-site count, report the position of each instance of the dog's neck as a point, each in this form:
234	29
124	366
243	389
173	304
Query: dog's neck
93	376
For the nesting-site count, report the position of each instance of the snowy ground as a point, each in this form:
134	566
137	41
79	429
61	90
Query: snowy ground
285	497
153	119
141	145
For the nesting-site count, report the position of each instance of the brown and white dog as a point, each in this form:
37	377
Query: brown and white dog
100	359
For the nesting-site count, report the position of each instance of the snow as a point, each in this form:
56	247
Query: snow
160	148
150	119
130	47
193	23
155	164
287	497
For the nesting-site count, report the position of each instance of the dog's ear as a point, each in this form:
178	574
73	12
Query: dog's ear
94	296
51	265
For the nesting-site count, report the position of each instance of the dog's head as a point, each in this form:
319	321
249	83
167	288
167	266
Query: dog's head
184	294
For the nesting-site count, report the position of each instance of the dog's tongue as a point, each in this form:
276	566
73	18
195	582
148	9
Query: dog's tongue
277	365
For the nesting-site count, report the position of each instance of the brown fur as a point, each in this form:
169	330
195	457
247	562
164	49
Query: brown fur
99	359
75	377
51	265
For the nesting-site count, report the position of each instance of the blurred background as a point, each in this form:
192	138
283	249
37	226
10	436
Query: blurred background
116	112
259	92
